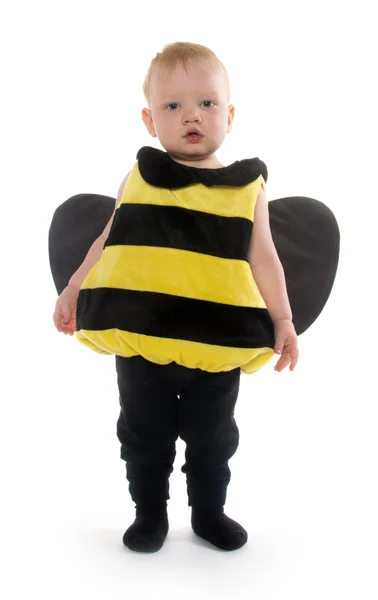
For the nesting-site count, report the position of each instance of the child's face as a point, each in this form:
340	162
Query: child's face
184	101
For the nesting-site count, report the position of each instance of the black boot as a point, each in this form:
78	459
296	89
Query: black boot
214	526
149	530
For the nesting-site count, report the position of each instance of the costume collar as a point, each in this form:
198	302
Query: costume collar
160	170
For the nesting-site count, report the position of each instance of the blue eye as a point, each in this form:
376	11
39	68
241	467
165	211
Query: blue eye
172	104
207	102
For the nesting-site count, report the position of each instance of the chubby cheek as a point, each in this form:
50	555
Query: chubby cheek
221	128
219	122
165	127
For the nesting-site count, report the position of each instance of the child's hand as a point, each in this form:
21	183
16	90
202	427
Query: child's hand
65	311
286	344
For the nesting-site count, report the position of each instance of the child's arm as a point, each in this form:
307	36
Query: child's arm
95	251
265	264
270	279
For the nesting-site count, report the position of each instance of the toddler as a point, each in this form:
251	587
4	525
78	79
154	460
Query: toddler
185	288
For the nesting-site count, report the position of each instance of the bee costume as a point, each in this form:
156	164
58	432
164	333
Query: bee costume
174	299
174	282
178	245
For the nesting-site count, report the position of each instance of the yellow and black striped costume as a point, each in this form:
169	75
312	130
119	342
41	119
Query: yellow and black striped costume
174	282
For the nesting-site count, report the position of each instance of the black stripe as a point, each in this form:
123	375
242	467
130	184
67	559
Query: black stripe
167	316
174	227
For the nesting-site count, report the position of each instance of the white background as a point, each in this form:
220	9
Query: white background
304	479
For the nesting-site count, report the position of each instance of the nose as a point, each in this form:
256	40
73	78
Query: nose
191	116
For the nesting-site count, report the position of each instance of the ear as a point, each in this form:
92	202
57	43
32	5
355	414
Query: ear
231	115
148	121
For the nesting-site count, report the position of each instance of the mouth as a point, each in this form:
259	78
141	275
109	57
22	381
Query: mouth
193	135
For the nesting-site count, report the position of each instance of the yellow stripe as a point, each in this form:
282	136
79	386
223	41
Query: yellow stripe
163	351
224	201
176	272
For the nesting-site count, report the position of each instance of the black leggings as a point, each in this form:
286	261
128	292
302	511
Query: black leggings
159	403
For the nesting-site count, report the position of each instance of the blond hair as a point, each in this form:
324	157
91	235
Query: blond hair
183	54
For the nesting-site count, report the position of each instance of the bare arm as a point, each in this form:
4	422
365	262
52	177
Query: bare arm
95	251
265	264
